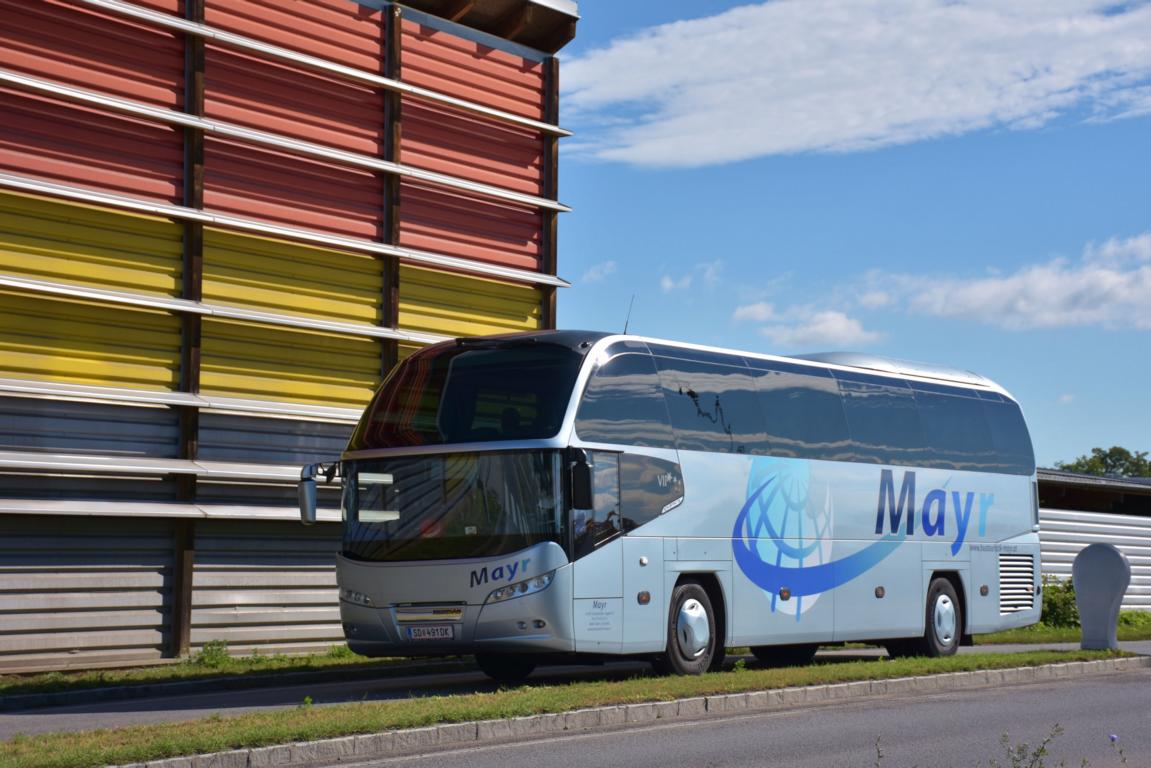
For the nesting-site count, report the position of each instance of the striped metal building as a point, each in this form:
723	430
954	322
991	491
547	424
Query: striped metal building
221	222
1077	510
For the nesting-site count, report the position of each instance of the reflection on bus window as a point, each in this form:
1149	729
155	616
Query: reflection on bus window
595	526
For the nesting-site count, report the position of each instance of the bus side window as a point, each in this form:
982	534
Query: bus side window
602	523
648	488
712	403
955	429
1008	434
802	409
882	418
623	404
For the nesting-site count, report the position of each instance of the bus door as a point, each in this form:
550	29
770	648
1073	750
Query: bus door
598	554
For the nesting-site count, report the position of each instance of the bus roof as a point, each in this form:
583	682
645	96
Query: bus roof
583	341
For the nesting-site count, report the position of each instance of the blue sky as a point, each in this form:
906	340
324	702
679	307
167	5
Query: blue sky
964	183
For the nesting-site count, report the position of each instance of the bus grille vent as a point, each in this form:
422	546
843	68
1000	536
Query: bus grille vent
1016	583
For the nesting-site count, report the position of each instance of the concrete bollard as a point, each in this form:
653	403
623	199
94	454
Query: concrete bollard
1100	574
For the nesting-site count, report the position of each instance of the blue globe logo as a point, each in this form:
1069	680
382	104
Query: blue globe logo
783	528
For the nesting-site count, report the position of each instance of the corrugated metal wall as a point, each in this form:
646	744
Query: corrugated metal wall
257	585
1064	533
211	249
89	594
84	245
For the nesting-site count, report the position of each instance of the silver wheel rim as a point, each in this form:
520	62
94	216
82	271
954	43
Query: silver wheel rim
944	619
691	628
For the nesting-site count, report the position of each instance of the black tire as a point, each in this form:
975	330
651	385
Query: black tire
944	621
684	654
785	655
506	668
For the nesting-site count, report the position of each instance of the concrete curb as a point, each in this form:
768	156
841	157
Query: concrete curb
377	745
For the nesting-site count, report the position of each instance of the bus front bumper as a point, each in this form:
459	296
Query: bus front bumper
534	623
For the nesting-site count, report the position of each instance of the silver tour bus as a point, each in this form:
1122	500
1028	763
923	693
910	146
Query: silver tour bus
534	497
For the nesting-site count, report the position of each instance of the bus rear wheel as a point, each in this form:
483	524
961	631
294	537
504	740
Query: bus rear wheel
506	668
944	620
785	655
691	632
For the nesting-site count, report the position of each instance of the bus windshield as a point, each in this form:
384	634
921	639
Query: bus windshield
450	506
465	393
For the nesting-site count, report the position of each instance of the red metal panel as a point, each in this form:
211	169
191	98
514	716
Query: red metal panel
281	187
478	148
78	45
76	145
337	30
274	96
465	69
469	227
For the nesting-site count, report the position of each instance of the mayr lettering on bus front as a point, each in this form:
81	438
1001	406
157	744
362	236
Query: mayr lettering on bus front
502	572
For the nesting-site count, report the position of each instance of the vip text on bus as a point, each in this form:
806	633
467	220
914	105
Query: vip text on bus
532	496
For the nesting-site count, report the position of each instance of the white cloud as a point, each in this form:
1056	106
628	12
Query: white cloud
826	328
1117	252
801	326
842	75
669	284
710	272
597	272
757	313
1058	294
1066	399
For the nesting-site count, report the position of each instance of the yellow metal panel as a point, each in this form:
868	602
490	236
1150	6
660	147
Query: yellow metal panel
83	244
75	341
461	305
263	362
240	270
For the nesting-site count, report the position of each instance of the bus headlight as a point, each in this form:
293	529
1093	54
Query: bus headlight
521	588
357	598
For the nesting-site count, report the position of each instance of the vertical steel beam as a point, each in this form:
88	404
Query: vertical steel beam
393	133
192	288
184	548
549	220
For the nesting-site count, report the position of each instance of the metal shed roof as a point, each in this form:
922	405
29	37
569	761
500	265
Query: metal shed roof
546	25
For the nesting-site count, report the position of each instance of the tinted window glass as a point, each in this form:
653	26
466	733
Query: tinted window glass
457	505
623	404
802	409
452	394
713	407
649	487
1009	436
882	419
601	523
955	431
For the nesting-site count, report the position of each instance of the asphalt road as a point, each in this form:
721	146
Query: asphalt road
109	714
959	729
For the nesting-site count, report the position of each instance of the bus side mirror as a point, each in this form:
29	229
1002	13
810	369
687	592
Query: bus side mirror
582	496
307	493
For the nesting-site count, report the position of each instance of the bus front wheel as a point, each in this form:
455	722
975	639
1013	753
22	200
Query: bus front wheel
944	625
506	668
691	632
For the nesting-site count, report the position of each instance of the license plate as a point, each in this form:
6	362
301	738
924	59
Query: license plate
437	632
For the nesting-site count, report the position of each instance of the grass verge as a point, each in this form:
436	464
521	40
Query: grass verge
307	722
211	663
1041	633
